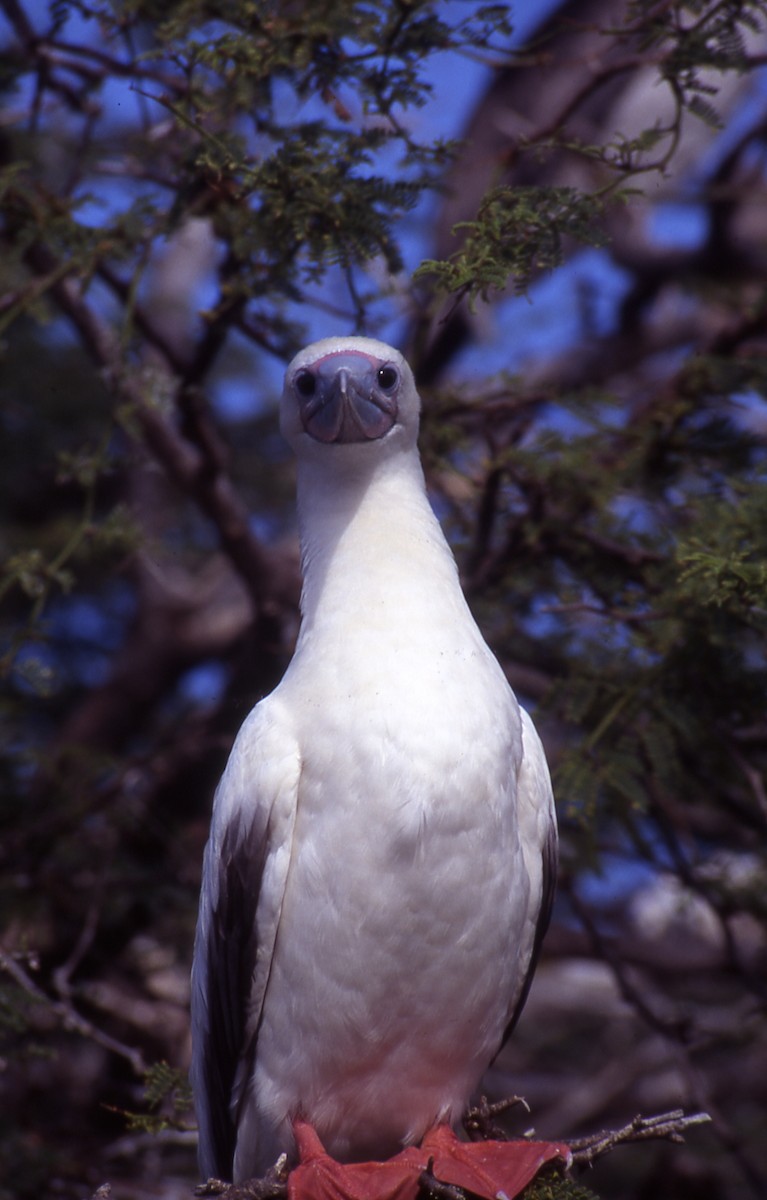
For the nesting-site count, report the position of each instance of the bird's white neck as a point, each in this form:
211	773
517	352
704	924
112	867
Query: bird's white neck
369	543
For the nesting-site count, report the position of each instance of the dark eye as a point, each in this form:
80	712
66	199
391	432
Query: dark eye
388	378
305	383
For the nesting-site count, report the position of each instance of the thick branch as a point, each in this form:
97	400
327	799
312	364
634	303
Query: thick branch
193	469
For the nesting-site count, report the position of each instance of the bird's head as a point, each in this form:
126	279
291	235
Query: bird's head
349	392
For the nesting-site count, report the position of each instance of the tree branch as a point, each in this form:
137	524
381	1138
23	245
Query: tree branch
196	470
70	1017
670	1126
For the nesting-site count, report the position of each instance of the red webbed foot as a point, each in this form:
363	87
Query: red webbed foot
493	1170
320	1177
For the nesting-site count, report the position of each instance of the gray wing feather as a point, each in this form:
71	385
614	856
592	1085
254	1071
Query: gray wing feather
224	965
244	879
549	867
538	826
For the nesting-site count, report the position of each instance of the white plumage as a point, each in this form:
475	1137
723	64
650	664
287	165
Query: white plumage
383	843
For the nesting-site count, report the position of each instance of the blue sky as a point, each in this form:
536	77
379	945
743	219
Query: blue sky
518	329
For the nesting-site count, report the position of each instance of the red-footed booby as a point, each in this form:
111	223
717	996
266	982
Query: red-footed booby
381	861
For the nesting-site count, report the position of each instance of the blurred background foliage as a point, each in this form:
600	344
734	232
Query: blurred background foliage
559	213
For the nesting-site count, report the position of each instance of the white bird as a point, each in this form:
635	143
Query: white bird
382	853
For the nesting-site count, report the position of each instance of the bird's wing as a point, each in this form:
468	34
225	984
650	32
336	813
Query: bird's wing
244	874
538	831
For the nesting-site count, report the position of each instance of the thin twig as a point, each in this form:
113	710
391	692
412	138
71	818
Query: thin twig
669	1126
273	1186
435	1188
479	1120
678	1029
70	1017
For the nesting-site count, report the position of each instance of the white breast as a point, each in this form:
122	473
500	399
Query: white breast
405	925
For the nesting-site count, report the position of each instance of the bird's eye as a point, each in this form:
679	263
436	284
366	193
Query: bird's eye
388	378
305	384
